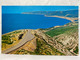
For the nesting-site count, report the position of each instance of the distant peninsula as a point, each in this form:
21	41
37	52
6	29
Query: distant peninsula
69	14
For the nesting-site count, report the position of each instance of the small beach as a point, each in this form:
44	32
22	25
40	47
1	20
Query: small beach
68	18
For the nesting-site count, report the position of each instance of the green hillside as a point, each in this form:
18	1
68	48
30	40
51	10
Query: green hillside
61	30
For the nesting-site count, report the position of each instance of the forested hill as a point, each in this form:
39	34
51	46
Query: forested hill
68	13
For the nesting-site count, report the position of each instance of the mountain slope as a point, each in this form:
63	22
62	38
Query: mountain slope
66	38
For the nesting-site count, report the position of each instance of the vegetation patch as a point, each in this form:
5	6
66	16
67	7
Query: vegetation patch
10	39
61	30
76	50
6	39
43	48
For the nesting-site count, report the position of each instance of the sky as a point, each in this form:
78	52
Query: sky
21	9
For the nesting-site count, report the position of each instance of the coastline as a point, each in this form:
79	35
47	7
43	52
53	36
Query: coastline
13	31
63	17
71	19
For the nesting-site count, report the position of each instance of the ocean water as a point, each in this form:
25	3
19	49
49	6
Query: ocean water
11	22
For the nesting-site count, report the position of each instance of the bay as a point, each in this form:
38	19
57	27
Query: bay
11	22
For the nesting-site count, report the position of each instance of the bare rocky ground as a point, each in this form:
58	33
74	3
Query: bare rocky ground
61	44
65	44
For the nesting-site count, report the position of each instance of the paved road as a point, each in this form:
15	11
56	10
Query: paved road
28	36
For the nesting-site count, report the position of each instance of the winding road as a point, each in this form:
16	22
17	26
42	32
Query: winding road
28	36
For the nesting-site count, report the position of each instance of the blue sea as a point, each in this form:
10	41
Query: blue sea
11	22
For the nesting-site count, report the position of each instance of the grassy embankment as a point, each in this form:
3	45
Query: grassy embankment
9	39
62	30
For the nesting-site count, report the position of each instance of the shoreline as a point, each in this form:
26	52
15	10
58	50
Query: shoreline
71	19
13	31
64	17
